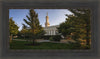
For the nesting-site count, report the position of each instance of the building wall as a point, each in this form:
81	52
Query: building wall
51	30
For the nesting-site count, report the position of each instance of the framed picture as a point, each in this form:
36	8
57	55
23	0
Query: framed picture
47	29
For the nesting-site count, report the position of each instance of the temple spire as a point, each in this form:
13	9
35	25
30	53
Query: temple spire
47	21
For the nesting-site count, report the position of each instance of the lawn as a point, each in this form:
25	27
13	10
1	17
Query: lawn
43	45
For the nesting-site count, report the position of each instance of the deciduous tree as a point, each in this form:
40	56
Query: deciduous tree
13	28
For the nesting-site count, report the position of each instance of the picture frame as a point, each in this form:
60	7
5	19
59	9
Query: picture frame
48	54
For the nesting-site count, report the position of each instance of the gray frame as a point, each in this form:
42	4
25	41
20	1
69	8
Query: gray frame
52	54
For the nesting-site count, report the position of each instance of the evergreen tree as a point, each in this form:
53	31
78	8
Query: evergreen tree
68	27
34	27
13	28
77	25
83	16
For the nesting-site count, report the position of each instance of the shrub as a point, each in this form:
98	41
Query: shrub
51	38
57	38
54	37
88	46
46	37
85	46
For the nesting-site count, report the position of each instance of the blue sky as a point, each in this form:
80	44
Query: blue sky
56	16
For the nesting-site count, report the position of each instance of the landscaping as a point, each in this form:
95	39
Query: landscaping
44	45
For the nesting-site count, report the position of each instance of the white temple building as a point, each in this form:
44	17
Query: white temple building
50	30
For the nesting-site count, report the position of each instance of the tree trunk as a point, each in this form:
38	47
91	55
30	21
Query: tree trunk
33	39
33	35
33	42
24	36
11	37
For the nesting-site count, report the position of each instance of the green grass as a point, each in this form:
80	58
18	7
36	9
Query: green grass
44	45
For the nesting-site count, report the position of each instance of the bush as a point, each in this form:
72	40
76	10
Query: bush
57	38
88	46
46	37
54	37
85	46
51	38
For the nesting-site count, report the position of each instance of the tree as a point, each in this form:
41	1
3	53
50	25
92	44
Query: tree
77	24
24	30
13	28
84	16
68	27
34	27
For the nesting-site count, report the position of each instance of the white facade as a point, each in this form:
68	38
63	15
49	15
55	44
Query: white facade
51	30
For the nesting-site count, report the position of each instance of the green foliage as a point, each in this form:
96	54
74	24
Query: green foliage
83	17
24	33
51	38
57	38
33	29
85	46
46	37
19	35
54	37
40	34
13	28
78	24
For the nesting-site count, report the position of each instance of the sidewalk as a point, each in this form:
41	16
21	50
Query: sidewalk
41	40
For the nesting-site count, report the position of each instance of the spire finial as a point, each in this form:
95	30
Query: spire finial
47	13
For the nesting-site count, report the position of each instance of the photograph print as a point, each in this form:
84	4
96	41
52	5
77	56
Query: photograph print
68	29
